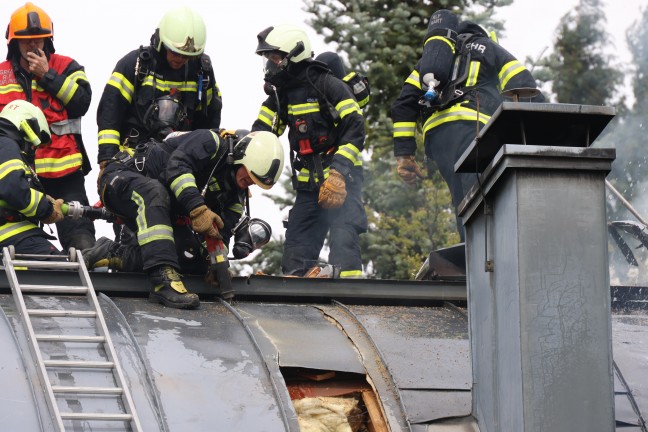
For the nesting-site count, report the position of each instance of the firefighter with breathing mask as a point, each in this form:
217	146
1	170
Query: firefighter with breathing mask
326	134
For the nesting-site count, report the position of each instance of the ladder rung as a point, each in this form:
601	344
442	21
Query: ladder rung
54	289
96	416
88	390
69	338
45	264
61	313
78	364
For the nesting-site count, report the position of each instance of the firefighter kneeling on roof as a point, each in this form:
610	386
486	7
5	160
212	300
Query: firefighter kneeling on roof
174	194
326	133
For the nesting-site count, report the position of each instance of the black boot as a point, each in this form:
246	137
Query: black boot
103	254
169	290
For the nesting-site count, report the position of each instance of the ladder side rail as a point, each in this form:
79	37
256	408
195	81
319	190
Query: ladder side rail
102	328
33	343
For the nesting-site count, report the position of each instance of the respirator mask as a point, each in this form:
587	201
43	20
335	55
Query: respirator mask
250	235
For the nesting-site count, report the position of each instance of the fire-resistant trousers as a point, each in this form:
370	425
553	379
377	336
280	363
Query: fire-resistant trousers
144	206
445	144
308	225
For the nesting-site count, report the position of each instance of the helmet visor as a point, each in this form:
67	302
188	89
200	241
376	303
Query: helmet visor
272	62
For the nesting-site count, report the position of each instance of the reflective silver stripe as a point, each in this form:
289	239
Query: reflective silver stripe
69	126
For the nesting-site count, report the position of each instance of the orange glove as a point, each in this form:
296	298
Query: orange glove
57	213
408	170
203	220
333	191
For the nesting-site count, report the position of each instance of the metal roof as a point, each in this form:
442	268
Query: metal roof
227	366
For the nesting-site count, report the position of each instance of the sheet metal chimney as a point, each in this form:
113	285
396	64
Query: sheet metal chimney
537	270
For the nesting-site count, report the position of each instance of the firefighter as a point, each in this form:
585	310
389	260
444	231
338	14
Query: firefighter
174	63
326	135
191	181
23	202
448	104
59	87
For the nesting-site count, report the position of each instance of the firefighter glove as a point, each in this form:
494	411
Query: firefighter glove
57	213
203	220
102	165
333	191
408	169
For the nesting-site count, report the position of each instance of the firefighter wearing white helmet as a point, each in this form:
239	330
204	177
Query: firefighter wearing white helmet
190	187
173	65
23	203
326	134
182	31
262	156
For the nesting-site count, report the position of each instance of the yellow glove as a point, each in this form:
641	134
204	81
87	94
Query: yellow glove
333	191
408	170
203	220
57	213
225	132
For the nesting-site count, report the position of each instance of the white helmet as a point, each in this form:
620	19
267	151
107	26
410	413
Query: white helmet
287	39
262	155
29	120
182	31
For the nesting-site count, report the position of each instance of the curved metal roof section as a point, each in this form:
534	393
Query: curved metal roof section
222	367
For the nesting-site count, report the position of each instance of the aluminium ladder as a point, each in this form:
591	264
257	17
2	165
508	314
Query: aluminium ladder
101	339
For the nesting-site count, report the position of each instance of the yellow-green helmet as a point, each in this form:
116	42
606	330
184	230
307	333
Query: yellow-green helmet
262	155
285	39
182	30
29	120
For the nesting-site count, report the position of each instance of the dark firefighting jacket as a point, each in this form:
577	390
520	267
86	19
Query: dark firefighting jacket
490	70
128	95
325	124
185	164
22	201
63	95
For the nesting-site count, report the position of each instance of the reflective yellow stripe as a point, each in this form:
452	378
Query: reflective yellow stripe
35	198
302	109
67	90
45	165
11	229
404	129
12	165
351	274
304	174
266	115
454	113
182	182
414	79
442	39
351	152
121	83
9	88
147	234
473	73
236	208
509	70
346	107
166	86
109	136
